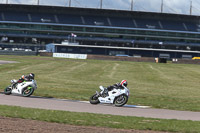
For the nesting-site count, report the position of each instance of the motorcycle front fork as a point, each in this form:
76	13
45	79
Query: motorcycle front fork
14	86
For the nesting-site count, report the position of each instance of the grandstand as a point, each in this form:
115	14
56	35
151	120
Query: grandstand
100	31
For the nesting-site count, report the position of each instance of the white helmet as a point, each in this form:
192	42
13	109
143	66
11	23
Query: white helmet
124	83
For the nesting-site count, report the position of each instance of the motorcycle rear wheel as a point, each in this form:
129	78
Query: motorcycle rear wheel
7	90
27	91
94	99
120	100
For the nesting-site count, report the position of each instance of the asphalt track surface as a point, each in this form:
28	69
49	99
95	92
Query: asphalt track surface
85	106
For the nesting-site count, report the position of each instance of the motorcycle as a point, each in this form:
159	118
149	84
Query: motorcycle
118	97
25	88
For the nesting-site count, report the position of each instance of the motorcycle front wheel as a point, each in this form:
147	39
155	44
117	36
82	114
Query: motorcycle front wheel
94	99
27	91
7	90
121	100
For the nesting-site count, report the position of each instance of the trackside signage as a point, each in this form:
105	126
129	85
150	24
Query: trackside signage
72	56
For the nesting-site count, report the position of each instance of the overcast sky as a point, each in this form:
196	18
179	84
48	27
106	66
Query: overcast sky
170	6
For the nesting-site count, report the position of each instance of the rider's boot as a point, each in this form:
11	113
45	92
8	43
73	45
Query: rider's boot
15	86
105	92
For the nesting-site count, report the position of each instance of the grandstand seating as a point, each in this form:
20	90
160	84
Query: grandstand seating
172	25
69	19
191	26
15	16
130	22
122	22
96	20
45	18
1	16
147	23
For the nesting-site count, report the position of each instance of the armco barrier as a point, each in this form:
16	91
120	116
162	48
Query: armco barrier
104	57
119	58
3	52
185	61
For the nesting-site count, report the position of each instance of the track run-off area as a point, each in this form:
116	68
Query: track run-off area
85	106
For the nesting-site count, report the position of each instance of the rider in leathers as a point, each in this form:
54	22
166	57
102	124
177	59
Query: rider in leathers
121	85
26	78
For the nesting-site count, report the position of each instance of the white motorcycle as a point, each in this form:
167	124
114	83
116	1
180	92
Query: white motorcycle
118	97
25	88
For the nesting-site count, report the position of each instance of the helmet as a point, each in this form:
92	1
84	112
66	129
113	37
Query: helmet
31	76
22	77
124	83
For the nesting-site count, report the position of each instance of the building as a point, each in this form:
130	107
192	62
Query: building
35	26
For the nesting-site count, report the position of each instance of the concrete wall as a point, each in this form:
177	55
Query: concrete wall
46	54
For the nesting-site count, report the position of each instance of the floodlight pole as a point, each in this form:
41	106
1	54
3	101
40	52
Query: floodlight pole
70	3
6	1
162	4
38	3
101	4
190	7
132	5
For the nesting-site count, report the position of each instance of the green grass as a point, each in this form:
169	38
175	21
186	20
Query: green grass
170	86
89	119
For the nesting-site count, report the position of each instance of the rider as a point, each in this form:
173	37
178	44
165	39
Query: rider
121	85
26	78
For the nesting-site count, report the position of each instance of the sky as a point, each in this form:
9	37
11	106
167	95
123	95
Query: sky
170	6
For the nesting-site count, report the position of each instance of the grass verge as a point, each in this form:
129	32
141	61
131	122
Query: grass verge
98	120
